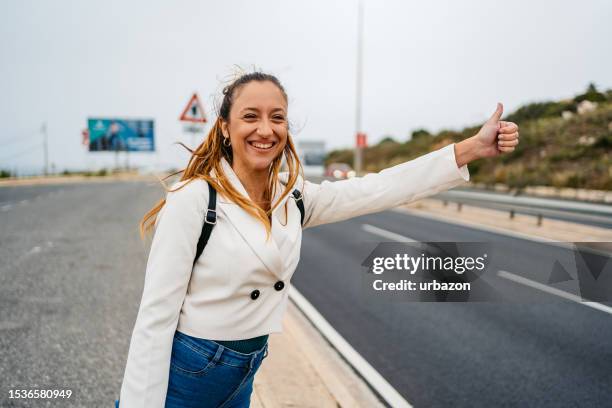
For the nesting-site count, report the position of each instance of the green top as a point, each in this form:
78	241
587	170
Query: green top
245	346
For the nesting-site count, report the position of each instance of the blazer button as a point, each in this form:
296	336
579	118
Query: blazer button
254	294
279	285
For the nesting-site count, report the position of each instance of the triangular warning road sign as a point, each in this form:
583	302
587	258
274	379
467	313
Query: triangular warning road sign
193	112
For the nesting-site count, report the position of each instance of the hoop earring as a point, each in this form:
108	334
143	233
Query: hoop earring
229	142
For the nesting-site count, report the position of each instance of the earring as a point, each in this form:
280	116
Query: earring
227	142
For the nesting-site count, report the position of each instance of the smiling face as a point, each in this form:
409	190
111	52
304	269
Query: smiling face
257	125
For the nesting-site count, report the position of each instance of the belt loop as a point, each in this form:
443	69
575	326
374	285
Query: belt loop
218	353
252	361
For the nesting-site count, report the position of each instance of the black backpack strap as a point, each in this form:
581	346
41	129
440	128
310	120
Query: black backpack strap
300	203
210	219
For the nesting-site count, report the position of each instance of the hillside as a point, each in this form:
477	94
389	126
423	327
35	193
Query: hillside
557	149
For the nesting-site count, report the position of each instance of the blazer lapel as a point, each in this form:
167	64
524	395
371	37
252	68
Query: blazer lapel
286	229
249	227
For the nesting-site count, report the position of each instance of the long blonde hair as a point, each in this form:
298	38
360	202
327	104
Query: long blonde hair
207	157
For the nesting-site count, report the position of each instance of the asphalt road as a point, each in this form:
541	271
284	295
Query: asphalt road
73	267
71	278
539	351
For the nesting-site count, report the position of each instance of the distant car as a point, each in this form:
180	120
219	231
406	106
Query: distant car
339	171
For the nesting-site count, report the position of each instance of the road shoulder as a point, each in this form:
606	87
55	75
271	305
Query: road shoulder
303	370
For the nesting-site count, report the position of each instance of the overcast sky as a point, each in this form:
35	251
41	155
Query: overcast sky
433	64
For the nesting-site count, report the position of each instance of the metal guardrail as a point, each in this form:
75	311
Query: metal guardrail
573	211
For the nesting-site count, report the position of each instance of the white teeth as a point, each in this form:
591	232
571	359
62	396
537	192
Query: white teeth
262	145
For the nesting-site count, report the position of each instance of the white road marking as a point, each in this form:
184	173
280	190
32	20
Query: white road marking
23	202
6	207
34	250
386	234
553	291
369	373
497	230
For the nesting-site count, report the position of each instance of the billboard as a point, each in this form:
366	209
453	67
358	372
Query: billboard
312	155
311	152
131	135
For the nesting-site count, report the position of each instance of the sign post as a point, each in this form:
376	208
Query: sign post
85	137
361	140
194	117
360	143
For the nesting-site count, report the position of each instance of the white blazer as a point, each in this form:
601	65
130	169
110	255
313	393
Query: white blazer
215	301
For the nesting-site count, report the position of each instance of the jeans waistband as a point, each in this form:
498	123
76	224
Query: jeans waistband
225	355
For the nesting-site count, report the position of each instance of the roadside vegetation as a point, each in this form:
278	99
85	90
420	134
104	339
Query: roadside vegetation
565	143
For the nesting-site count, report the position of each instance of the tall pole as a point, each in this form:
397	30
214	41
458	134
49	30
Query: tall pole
358	160
45	147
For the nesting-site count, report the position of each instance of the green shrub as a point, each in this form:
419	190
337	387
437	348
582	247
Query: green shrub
419	133
591	94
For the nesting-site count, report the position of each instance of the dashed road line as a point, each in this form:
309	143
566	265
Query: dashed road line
386	234
553	291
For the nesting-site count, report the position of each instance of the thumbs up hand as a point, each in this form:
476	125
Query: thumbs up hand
496	136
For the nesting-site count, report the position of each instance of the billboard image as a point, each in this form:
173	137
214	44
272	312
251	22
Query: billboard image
133	135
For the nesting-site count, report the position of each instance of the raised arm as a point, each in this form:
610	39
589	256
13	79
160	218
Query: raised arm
167	276
426	175
429	174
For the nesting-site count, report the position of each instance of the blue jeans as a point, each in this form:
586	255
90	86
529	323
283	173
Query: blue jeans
205	374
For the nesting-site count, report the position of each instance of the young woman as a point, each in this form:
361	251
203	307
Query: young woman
202	329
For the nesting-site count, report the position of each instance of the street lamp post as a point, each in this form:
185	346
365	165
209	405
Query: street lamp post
357	163
45	147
